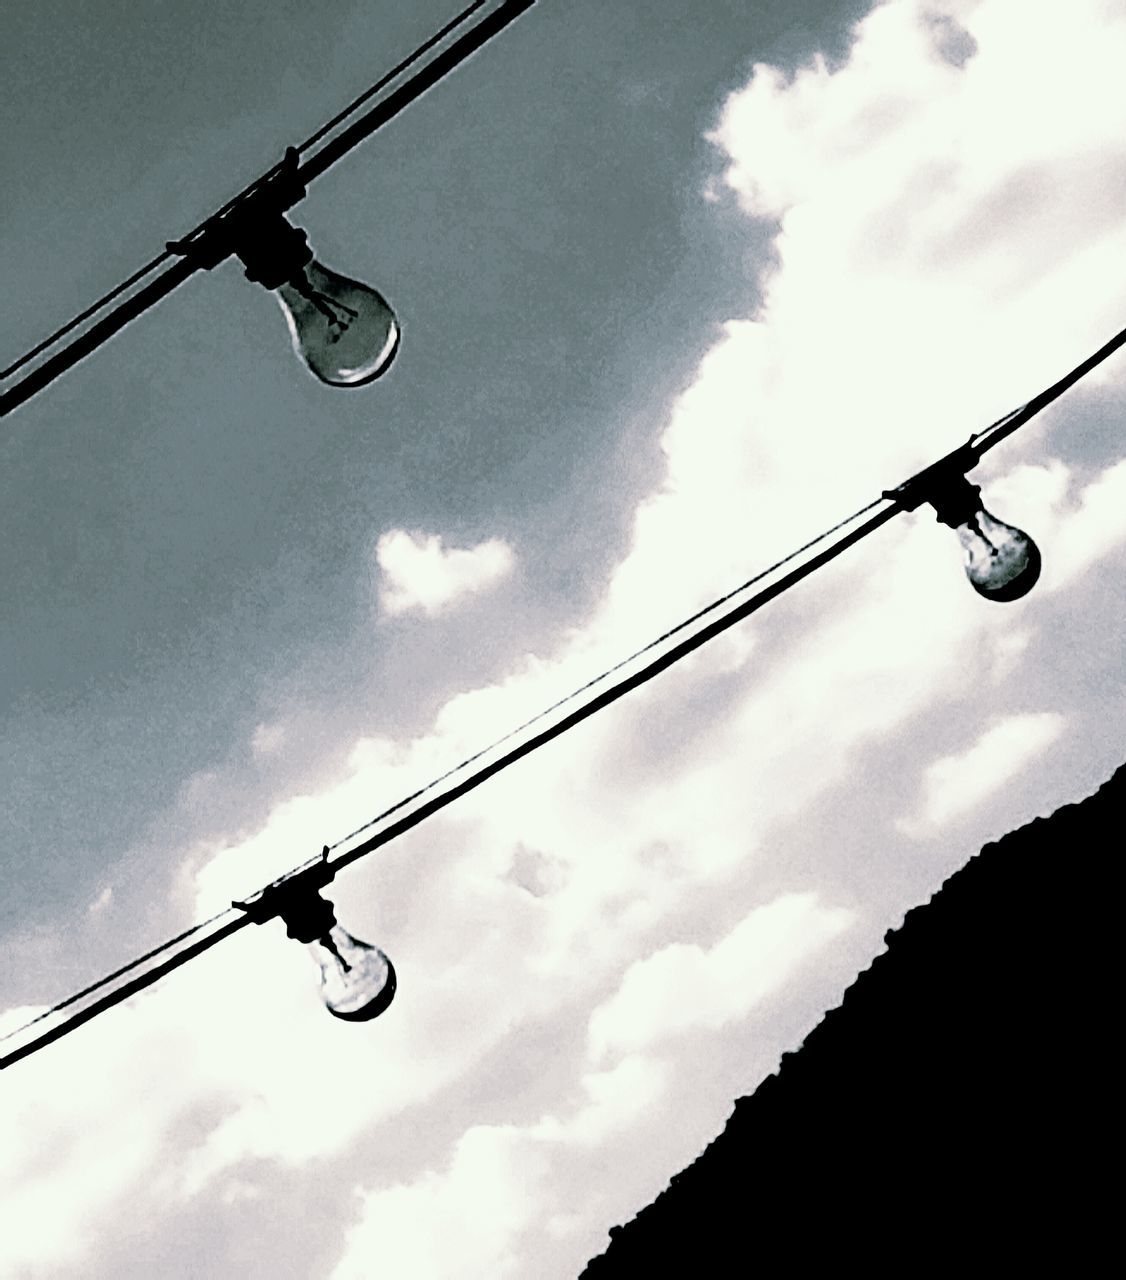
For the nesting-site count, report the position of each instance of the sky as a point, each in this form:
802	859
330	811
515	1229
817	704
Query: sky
679	287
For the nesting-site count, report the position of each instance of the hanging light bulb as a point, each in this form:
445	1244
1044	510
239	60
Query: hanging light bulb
1002	562
344	331
357	980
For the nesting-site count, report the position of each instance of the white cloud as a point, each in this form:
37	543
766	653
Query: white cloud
467	1219
267	739
957	784
462	1221
1088	532
949	243
102	901
419	573
79	1140
616	1099
760	453
683	987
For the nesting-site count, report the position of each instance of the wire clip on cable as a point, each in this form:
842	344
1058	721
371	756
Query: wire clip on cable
932	481
291	896
253	227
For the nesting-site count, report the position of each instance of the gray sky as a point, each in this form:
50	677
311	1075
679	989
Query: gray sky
645	362
218	509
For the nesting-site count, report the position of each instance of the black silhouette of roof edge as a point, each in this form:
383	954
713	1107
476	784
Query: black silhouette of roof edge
982	923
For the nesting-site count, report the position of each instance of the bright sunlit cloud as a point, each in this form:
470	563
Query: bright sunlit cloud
684	986
958	783
950	240
468	1218
420	573
462	1221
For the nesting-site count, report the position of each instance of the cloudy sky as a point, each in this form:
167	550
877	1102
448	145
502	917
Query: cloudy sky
679	287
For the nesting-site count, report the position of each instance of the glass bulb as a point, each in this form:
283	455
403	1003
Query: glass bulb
357	979
1002	563
344	331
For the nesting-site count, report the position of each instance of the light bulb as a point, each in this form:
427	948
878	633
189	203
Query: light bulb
344	331
1002	562
357	979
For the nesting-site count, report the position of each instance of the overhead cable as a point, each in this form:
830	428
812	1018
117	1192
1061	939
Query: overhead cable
604	675
977	445
444	798
1004	427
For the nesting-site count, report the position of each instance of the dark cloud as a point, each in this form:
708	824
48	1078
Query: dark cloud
188	518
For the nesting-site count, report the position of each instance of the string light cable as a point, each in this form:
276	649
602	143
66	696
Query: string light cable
281	186
239	920
932	484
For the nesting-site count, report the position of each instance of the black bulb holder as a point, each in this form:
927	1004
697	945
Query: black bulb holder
957	504
955	501
297	900
358	980
273	251
944	486
256	231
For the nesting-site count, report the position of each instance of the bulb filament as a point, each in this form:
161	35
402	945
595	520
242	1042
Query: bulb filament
329	945
324	304
994	551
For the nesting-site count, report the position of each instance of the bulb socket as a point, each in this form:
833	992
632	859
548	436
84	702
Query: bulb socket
307	917
956	502
272	250
296	898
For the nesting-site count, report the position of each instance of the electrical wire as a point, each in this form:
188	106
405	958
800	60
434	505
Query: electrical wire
604	675
981	441
92	338
1011	422
341	116
75	1020
474	780
622	687
491	25
382	83
92	310
117	973
333	150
